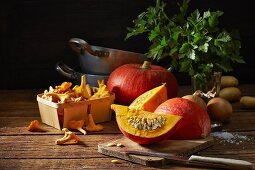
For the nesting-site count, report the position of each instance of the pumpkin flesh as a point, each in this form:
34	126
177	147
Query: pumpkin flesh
150	100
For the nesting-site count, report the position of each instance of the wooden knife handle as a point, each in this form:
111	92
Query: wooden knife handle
221	162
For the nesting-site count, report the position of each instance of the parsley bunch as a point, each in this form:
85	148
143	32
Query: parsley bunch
195	43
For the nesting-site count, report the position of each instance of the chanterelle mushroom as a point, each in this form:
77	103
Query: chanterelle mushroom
69	137
92	127
77	124
35	126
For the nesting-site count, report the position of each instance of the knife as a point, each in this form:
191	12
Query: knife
195	160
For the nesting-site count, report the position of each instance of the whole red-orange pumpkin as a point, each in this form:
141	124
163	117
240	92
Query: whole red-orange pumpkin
131	80
195	122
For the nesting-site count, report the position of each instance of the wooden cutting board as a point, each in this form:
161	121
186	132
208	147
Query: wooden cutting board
173	147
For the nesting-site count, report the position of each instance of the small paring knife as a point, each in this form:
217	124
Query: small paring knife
194	160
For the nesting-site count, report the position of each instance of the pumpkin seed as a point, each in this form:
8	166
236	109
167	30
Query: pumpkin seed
144	123
110	144
119	145
115	161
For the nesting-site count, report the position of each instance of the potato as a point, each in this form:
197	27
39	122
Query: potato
248	102
230	93
229	81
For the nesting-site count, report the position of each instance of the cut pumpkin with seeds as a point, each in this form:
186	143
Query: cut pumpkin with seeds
144	127
150	100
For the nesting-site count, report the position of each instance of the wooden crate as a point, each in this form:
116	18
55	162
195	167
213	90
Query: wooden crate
60	115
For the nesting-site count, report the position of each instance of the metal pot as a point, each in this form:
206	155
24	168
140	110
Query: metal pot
100	60
75	76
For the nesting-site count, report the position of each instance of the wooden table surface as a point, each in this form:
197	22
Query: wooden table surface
21	149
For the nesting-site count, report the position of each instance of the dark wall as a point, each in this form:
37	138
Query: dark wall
34	35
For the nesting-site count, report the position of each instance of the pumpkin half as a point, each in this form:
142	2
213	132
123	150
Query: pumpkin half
144	127
150	100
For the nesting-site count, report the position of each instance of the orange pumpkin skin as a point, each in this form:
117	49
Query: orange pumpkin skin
195	122
145	141
131	80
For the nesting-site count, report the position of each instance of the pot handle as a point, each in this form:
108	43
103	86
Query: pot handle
79	46
65	71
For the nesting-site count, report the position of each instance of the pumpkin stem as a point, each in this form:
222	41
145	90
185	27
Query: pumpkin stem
146	65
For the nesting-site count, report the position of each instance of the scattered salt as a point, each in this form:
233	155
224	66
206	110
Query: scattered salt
230	137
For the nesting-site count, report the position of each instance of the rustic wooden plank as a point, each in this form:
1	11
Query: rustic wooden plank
34	148
16	122
43	146
19	142
19	95
20	147
20	112
88	163
40	147
19	103
65	164
18	126
240	121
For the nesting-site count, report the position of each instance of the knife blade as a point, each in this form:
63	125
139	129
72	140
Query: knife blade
195	160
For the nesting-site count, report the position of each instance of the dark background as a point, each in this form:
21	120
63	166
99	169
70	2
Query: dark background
34	35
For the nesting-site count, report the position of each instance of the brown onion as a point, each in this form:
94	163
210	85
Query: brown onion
198	100
219	109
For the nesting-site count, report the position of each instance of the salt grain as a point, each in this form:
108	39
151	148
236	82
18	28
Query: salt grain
230	138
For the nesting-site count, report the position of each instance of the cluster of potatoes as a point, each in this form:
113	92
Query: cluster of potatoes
231	92
229	88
